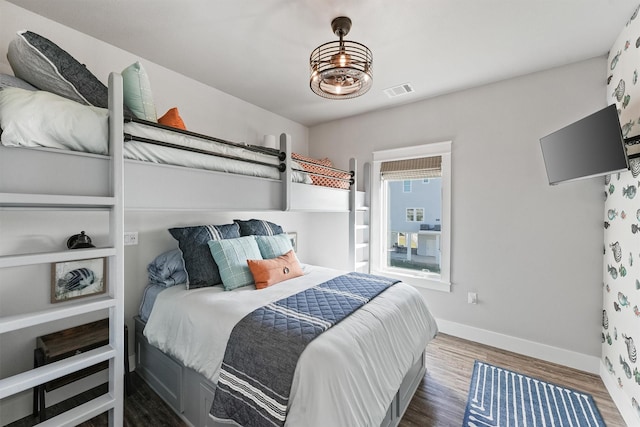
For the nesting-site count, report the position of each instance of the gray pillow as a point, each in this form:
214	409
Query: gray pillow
198	261
46	66
167	269
258	227
7	80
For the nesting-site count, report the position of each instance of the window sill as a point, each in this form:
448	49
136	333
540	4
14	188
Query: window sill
417	281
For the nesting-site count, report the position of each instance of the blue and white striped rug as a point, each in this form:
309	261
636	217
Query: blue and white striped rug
499	397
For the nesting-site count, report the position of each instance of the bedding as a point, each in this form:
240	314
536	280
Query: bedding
45	65
43	119
149	296
136	91
172	119
258	227
231	257
256	374
328	176
7	80
274	246
193	243
167	269
382	341
270	271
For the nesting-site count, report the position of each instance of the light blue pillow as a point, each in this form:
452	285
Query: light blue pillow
231	255
273	246
136	90
167	269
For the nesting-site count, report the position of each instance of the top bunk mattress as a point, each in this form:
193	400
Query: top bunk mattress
43	119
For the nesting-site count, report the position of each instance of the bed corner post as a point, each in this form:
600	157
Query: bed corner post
285	147
116	262
353	190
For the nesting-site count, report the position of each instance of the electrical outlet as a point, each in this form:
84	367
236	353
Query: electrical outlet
130	238
472	298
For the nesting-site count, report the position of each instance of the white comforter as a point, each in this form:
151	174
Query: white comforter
346	377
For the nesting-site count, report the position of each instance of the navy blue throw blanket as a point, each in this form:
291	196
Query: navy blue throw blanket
264	347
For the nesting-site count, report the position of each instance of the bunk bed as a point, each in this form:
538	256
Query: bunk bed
168	169
222	170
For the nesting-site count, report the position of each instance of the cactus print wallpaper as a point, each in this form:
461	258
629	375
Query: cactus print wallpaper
621	306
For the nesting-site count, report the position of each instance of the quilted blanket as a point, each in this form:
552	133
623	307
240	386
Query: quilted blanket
264	347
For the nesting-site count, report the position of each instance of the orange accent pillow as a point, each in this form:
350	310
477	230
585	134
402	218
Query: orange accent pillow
172	118
267	272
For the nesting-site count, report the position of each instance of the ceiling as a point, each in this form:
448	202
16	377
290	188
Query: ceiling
258	50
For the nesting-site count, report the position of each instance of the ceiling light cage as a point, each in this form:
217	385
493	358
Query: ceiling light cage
341	69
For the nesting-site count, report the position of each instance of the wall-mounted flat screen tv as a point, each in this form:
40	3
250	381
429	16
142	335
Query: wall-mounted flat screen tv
593	146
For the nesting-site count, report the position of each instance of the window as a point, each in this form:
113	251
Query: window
409	242
415	214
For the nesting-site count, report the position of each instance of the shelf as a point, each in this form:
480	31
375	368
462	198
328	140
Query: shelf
46	257
362	227
29	379
21	321
362	245
54	200
81	413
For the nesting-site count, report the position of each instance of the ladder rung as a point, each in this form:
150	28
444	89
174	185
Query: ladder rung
81	413
29	379
20	321
46	257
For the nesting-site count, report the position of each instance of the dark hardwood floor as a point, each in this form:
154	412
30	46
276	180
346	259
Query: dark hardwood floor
439	401
442	396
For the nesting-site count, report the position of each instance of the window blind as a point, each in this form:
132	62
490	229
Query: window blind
420	168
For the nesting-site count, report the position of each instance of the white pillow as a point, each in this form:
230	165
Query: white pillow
43	119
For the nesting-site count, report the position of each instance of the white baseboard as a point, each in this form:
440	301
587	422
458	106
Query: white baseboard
546	352
619	397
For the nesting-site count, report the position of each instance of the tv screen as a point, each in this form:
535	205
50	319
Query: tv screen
590	147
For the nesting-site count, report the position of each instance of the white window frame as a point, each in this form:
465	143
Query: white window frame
378	236
404	186
415	214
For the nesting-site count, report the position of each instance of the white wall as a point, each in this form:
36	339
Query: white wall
532	252
203	108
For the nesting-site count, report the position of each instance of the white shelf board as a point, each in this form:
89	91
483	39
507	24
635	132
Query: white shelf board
362	245
26	320
81	413
47	257
362	227
54	200
29	379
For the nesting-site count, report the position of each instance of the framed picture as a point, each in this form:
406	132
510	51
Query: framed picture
293	237
77	279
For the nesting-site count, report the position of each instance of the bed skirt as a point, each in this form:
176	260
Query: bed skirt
190	394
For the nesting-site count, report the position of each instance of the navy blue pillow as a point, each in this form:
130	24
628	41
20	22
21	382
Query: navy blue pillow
258	227
194	244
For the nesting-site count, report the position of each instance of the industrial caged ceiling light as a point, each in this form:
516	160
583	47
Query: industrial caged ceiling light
341	69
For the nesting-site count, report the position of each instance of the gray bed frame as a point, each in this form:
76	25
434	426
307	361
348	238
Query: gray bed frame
190	394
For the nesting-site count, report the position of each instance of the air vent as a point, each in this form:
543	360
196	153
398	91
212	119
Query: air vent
399	90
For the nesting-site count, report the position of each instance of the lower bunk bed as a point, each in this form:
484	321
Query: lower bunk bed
363	371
